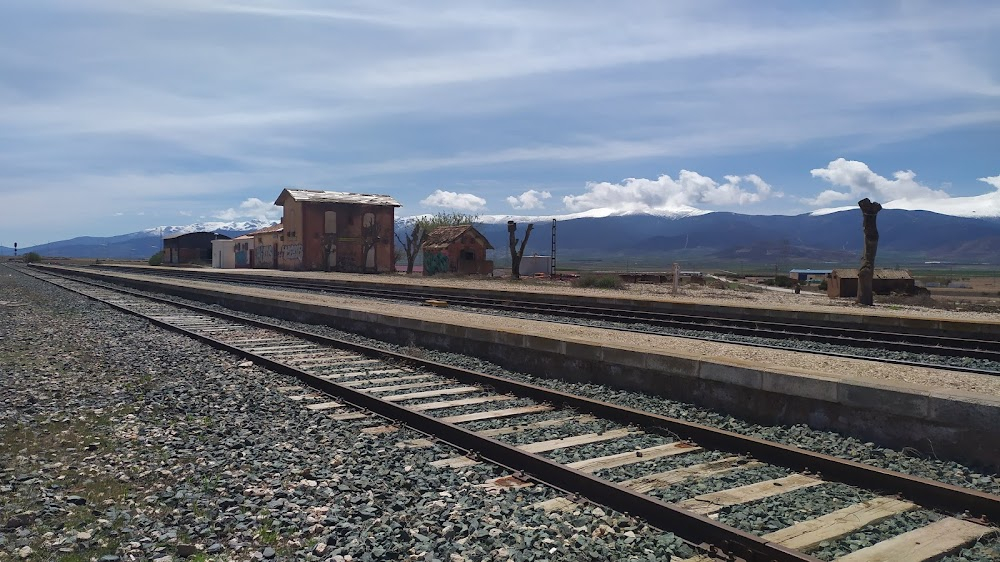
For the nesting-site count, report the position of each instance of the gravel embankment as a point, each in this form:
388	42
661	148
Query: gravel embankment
121	441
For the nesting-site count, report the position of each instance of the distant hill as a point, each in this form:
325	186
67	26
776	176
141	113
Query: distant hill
835	237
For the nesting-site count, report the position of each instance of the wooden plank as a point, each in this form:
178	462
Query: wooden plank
502	483
415	444
463	402
379	429
431	393
323	406
585	439
407	386
632	457
536	425
384	380
832	526
327	357
707	504
492	414
644	484
307	396
926	543
562	505
454	462
348	416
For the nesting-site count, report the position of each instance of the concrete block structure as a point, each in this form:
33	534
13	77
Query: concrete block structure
224	253
336	231
243	251
456	249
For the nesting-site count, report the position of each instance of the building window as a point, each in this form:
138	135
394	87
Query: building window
330	222
368	220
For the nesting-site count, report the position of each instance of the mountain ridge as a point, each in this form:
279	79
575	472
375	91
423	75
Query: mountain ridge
833	237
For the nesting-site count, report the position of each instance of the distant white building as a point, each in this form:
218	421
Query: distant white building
224	254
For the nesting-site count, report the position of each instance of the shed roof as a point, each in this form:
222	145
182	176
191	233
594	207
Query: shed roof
267	230
879	274
320	196
812	271
443	236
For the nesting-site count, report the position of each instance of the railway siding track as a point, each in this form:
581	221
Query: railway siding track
409	391
958	352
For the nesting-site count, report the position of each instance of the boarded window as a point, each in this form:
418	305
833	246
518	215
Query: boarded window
330	222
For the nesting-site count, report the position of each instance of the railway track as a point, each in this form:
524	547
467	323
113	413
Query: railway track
758	332
504	421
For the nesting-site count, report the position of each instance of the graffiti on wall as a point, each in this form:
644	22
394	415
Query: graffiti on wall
265	256
242	257
435	263
291	252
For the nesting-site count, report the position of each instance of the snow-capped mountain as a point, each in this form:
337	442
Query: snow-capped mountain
232	226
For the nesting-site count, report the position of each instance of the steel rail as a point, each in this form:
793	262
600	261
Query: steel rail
923	491
959	347
689	526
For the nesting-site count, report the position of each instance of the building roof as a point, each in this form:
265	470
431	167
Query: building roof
273	228
443	236
319	196
879	274
812	271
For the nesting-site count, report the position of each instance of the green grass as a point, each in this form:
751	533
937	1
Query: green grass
594	281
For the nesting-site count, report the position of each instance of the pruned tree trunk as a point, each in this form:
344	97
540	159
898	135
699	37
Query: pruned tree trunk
515	252
866	273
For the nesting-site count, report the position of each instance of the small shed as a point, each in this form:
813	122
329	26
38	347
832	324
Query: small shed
456	249
844	282
192	247
809	275
223	253
531	265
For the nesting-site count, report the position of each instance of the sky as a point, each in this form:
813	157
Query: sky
121	115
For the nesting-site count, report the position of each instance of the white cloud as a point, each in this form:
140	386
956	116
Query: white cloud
669	194
531	199
861	181
453	200
903	192
992	180
251	208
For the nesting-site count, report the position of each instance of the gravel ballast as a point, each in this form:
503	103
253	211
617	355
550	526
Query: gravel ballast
121	441
653	404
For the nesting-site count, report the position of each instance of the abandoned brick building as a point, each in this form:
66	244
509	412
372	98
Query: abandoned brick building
456	249
335	231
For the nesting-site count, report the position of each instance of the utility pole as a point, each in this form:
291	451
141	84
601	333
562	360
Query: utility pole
552	267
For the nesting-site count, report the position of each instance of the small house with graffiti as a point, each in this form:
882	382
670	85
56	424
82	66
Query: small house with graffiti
266	242
336	231
243	248
456	249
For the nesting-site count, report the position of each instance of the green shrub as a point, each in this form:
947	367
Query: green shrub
32	257
606	281
822	285
156	259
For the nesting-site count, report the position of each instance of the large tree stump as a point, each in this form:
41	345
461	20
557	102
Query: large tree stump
866	273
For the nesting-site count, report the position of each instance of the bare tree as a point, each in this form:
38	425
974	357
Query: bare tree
866	273
415	235
515	253
417	229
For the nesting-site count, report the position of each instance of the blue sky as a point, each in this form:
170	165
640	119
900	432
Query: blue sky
119	115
